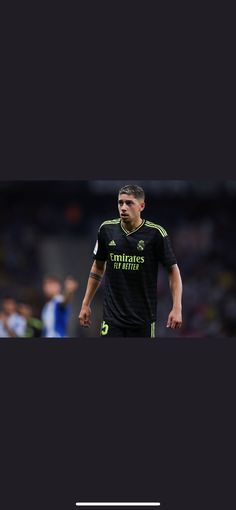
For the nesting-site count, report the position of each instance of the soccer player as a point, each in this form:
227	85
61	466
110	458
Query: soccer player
11	322
56	312
128	250
34	326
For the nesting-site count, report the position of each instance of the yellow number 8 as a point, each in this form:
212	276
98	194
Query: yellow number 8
104	328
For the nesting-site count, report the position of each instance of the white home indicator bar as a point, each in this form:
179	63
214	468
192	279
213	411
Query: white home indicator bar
117	504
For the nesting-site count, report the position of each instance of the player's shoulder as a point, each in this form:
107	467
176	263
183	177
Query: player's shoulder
16	318
156	228
58	298
59	303
109	223
55	300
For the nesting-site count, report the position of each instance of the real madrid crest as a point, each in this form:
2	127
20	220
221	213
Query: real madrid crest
140	245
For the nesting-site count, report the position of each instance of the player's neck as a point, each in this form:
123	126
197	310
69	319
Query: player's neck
49	298
132	225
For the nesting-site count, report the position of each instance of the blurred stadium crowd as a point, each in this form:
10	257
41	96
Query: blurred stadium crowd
51	226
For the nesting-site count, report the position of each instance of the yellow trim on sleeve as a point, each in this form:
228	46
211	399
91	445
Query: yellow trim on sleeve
158	227
110	222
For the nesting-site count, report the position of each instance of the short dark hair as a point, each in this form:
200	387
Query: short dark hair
51	278
8	298
23	303
132	189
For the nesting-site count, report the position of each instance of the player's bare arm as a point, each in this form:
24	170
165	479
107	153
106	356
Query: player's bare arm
175	316
95	277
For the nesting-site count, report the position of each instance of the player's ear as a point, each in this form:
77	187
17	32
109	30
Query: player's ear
142	206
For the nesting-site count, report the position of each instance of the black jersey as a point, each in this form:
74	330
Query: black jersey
131	273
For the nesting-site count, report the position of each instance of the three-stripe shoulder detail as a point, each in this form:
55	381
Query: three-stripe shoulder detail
110	222
158	227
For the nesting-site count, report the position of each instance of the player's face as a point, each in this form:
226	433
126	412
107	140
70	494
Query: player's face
9	306
51	288
25	311
129	208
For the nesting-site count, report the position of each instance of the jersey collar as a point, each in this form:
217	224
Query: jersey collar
128	232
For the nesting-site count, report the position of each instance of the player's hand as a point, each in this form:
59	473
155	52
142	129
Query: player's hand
70	284
85	316
174	319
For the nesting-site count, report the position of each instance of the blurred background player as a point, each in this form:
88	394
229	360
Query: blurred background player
56	312
34	326
12	324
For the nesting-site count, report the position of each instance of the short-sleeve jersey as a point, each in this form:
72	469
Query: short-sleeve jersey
55	317
130	298
17	323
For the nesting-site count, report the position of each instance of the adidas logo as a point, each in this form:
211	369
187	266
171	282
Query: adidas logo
112	243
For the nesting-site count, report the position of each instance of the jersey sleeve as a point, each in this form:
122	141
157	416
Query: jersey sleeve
165	252
100	249
18	326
